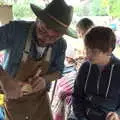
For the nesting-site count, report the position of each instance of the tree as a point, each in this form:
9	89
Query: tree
91	8
82	10
97	9
22	10
113	7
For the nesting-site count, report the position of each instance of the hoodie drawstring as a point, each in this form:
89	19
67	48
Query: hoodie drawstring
110	78
87	78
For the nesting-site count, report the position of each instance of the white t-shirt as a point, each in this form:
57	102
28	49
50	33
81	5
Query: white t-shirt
40	50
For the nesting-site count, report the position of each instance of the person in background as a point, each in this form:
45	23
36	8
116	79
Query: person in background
63	91
83	26
96	92
73	60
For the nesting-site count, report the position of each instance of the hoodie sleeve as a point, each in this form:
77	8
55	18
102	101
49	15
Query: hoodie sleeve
118	111
118	108
78	93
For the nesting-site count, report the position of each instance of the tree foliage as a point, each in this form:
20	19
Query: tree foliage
96	8
99	8
81	10
22	10
92	8
114	8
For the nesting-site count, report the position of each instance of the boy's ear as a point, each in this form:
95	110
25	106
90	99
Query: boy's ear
110	51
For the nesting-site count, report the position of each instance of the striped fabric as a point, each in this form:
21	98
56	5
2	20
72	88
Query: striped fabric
62	96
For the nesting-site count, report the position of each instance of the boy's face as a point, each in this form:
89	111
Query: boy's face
96	56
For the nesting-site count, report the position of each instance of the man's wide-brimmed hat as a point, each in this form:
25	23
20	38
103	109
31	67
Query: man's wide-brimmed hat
57	15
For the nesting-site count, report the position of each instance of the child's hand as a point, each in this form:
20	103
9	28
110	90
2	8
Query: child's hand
112	116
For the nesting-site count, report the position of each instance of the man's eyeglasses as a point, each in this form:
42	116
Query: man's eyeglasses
49	32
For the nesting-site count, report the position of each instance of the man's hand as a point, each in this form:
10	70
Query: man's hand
38	83
10	87
112	116
12	90
29	68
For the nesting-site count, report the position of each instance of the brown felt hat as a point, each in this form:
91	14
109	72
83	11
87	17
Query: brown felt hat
57	15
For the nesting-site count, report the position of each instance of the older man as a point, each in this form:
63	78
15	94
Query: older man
34	40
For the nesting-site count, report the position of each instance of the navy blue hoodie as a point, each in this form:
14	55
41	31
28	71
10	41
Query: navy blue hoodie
96	91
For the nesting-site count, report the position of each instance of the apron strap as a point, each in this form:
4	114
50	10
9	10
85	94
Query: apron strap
47	53
27	44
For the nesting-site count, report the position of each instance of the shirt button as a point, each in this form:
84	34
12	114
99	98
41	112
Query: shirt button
88	110
26	118
90	98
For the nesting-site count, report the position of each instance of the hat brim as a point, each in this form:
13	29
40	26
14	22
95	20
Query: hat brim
42	15
72	33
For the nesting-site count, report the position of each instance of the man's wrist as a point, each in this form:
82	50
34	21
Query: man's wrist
1	68
1	72
47	83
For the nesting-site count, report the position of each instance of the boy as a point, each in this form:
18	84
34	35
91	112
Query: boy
97	86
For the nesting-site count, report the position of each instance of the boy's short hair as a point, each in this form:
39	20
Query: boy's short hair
85	24
101	38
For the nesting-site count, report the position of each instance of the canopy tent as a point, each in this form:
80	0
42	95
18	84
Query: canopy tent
5	13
